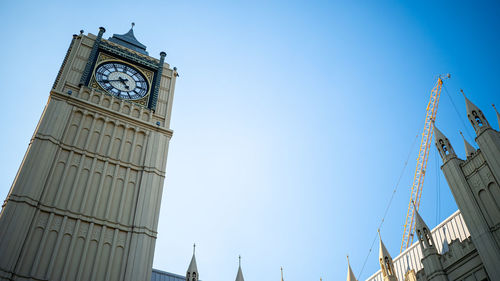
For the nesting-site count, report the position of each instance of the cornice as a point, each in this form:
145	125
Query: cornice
73	100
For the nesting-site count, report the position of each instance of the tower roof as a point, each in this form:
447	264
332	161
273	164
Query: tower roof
469	105
438	134
192	266
469	149
419	222
239	276
350	274
383	250
128	40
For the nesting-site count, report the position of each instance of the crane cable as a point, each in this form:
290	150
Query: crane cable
456	110
388	206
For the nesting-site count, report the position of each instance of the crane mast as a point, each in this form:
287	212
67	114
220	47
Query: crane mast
423	155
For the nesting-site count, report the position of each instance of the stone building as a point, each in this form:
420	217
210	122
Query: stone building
85	202
474	231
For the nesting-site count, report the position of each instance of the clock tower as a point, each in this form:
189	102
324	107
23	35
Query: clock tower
85	202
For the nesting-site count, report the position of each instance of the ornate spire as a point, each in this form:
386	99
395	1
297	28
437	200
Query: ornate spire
383	253
443	144
239	276
350	274
469	149
192	271
424	235
498	115
128	40
386	264
419	222
475	115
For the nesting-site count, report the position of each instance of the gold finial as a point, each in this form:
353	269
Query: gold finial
281	273
347	259
133	24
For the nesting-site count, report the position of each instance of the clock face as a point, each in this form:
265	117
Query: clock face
121	80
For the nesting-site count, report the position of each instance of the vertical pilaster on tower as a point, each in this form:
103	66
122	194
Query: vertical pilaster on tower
92	57
154	97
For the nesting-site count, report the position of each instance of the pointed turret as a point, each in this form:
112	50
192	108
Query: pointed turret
432	264
350	274
475	115
239	275
443	144
469	149
192	272
498	115
386	264
424	235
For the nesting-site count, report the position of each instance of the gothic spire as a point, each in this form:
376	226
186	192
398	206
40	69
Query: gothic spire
443	144
383	253
424	235
469	149
192	271
386	263
475	115
350	274
498	115
239	276
419	222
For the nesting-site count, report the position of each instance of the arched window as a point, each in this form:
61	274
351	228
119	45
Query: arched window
443	147
388	266
477	118
427	236
382	265
420	236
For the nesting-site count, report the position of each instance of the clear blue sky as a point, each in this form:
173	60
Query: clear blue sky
292	119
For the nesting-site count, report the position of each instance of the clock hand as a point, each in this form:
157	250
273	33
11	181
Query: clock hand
123	80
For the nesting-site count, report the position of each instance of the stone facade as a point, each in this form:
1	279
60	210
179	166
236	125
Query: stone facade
474	183
85	202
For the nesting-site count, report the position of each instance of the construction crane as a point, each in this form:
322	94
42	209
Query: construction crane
423	155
